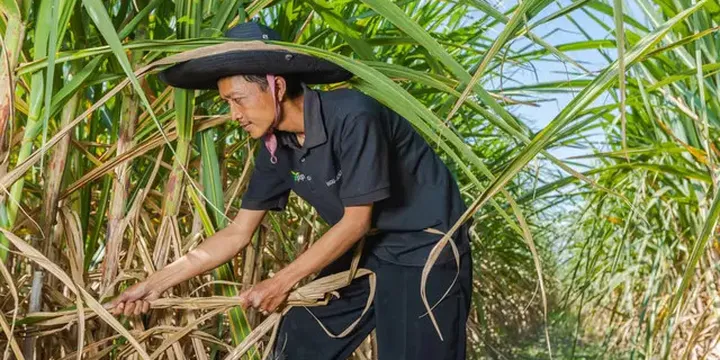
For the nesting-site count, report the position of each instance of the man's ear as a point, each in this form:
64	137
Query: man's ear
281	86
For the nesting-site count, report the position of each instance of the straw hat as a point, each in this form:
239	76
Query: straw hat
204	72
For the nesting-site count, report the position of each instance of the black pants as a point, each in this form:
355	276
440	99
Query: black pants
396	314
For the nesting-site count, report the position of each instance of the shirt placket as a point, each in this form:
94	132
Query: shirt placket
306	170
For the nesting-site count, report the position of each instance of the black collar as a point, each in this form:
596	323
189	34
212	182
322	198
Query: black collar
315	133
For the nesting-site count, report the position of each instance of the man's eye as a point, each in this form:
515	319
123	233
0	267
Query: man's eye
237	101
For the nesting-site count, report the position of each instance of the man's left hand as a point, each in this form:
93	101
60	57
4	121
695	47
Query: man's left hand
265	296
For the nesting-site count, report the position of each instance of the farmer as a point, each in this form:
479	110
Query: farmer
362	167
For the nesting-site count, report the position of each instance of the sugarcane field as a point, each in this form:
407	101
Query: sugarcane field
360	179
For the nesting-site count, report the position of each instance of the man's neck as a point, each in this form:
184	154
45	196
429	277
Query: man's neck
293	118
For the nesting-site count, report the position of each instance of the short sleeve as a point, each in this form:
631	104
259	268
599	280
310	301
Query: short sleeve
364	161
269	186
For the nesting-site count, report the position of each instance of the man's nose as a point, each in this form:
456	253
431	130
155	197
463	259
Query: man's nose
235	115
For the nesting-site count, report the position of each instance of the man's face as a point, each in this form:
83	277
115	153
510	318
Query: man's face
250	106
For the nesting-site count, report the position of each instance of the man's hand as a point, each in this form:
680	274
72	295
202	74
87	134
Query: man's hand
269	294
135	300
211	253
265	296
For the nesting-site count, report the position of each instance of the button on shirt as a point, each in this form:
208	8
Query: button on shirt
356	152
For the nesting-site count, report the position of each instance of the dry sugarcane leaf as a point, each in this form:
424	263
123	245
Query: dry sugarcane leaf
326	284
204	303
81	326
195	333
145	255
162	244
23	167
184	331
57	321
371	296
527	235
45	333
254	337
314	293
215	282
432	258
102	354
122	276
34	317
140	198
12	342
31	253
73	234
319	287
90	347
235	186
271	342
198	346
9	330
158	330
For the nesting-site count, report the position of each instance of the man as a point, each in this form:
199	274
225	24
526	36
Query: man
362	167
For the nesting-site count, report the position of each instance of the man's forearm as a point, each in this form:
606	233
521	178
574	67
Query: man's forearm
211	253
337	241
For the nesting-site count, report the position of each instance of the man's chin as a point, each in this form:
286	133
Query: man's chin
254	131
255	134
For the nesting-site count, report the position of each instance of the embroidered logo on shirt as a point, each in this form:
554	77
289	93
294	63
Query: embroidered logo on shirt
299	177
332	182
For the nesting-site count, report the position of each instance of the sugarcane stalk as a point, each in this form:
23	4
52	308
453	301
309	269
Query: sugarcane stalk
119	194
34	305
12	43
34	121
53	182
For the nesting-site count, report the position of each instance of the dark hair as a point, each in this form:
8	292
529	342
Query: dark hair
293	84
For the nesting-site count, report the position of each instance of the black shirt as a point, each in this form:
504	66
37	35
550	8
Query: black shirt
357	151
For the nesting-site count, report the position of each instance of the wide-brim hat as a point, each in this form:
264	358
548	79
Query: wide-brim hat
258	59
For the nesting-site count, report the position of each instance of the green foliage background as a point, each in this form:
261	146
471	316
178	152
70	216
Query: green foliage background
110	175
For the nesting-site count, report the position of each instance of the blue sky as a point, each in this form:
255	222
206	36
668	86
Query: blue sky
561	31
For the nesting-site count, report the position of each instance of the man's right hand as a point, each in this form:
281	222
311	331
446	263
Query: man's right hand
135	300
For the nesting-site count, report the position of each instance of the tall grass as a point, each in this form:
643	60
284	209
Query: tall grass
109	175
